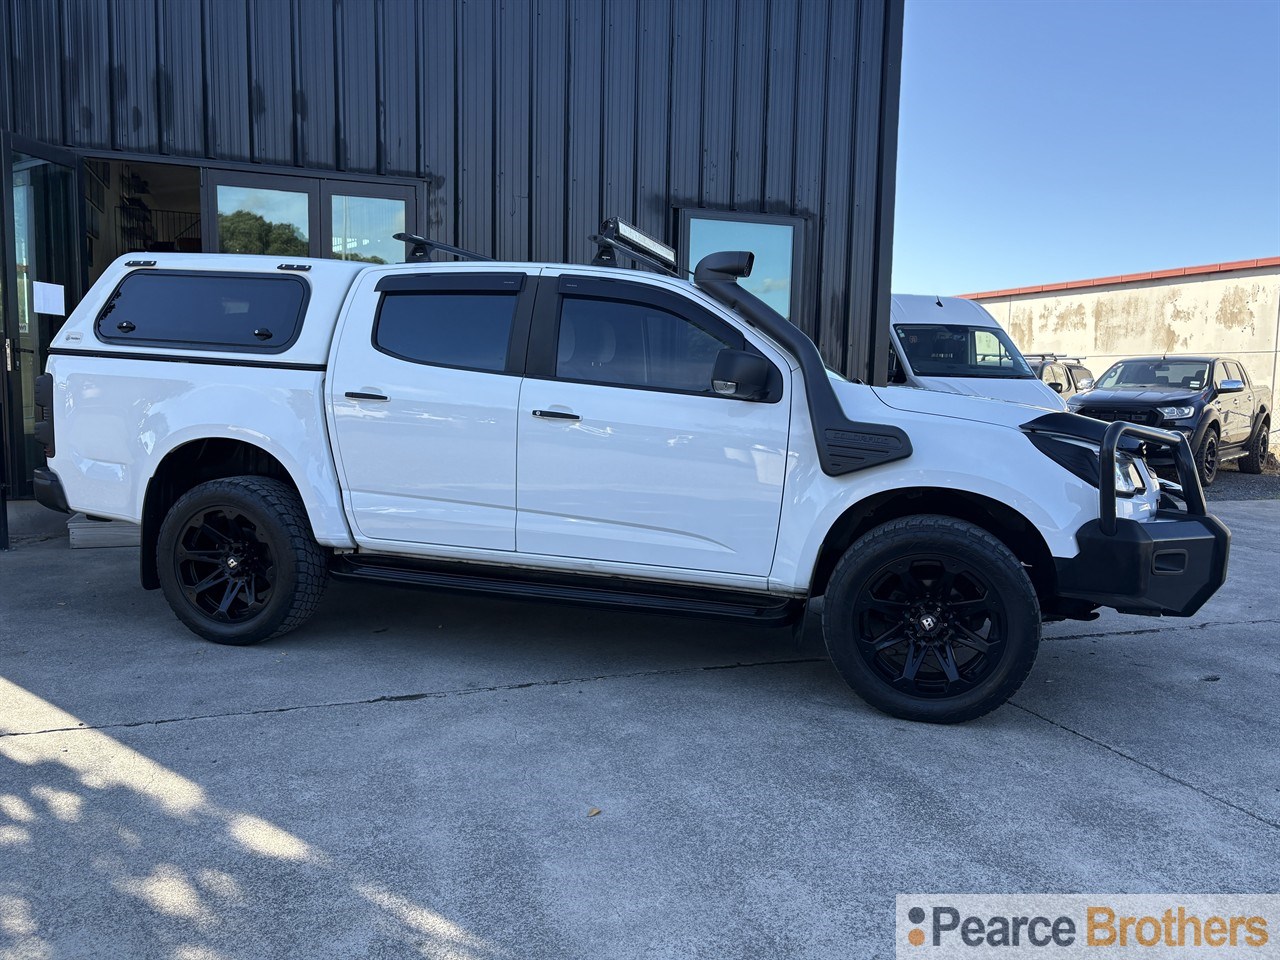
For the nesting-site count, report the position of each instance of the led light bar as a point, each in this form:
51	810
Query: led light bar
619	231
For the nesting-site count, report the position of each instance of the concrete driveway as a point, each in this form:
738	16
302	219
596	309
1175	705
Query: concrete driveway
412	775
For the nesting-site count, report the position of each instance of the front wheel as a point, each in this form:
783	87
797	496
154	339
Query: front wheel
237	561
931	618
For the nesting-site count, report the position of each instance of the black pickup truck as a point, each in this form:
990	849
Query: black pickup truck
1209	399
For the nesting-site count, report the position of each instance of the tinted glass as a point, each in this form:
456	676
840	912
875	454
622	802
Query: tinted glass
240	311
958	350
1188	374
363	228
255	220
469	330
1233	371
634	345
772	243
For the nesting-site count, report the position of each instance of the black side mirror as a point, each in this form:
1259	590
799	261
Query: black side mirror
741	375
1056	387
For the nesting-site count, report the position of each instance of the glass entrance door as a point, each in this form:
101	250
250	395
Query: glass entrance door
41	286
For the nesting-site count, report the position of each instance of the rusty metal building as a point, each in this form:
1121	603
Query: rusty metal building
510	127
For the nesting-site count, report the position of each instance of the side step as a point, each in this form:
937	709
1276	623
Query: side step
669	599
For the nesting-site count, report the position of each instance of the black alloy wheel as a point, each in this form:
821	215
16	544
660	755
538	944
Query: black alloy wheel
1208	459
238	562
930	625
931	618
225	567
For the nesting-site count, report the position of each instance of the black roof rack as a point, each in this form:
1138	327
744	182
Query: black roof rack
423	248
616	236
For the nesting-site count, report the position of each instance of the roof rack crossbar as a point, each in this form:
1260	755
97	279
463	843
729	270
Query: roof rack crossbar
423	248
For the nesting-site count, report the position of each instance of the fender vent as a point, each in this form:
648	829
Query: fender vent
865	445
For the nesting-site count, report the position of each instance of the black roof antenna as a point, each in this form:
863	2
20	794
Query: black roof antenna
422	248
937	300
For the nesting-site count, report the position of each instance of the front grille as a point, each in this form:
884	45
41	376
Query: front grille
1146	418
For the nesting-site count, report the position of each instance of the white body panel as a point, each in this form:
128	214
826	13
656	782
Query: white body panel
649	477
434	464
118	419
959	445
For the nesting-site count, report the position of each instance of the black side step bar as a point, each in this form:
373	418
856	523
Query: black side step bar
671	600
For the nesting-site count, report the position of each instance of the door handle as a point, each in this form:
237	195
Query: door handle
555	415
355	395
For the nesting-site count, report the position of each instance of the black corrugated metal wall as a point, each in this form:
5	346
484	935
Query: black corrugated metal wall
529	120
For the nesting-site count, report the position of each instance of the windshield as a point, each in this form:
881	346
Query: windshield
957	350
1185	374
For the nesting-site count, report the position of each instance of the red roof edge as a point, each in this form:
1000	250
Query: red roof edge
1128	278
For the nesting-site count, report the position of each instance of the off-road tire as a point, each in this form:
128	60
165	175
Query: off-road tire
298	568
905	541
1208	457
1259	444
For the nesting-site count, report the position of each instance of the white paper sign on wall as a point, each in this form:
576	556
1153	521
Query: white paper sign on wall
49	298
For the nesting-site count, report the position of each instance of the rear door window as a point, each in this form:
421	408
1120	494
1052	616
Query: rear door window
193	310
468	330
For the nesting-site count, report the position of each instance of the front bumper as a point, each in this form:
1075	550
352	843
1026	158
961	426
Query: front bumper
1168	566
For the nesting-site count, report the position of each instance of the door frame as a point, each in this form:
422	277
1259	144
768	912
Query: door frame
11	432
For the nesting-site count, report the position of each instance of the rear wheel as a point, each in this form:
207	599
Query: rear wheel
1259	447
237	561
1207	457
931	618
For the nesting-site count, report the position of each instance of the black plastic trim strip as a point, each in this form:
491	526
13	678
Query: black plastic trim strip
186	358
667	599
462	282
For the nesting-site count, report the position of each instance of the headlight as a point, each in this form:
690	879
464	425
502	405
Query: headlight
1128	480
1176	413
1080	457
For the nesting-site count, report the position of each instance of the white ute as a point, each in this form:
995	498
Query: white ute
600	435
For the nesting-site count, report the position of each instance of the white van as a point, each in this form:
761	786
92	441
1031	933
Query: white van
954	346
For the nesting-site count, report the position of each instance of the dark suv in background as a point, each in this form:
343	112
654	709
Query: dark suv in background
1209	399
1066	376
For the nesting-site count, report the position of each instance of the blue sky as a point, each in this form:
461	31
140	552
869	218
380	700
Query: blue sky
1052	140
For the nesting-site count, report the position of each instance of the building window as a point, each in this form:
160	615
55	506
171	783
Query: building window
258	220
775	241
363	228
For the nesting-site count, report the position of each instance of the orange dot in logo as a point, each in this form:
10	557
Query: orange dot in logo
916	937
